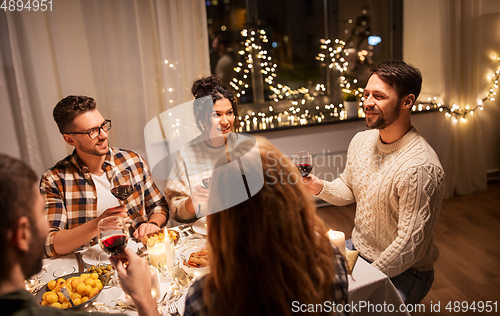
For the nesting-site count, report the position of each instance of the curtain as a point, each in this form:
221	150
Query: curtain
136	58
464	158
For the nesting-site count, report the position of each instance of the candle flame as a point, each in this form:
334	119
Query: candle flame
332	233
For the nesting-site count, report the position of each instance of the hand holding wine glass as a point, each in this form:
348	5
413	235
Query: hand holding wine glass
303	161
121	184
135	280
112	234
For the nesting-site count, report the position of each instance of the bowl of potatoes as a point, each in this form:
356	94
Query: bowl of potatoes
82	287
159	236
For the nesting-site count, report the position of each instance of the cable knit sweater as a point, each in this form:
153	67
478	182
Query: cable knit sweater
194	163
398	189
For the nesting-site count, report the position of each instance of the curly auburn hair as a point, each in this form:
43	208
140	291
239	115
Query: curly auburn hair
271	249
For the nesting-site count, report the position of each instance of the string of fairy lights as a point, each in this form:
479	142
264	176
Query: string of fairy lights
302	112
456	112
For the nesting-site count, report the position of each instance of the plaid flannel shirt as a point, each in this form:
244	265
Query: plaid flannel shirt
195	303
71	196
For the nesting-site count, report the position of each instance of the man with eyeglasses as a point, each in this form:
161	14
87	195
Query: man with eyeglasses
77	189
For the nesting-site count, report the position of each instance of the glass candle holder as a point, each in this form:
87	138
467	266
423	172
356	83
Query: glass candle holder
157	253
167	271
195	240
62	271
32	283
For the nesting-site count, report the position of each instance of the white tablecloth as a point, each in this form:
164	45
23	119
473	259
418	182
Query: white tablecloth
372	292
368	288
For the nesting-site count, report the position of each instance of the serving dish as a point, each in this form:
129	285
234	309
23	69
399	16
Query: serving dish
193	270
39	295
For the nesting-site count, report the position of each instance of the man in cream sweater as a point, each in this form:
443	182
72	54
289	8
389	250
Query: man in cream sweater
397	181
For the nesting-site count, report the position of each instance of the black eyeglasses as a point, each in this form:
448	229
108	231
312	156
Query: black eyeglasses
95	132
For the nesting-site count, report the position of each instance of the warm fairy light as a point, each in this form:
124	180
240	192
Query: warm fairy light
331	55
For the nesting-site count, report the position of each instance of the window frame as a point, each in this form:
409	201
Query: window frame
333	94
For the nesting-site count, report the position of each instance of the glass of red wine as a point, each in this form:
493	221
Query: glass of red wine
303	161
112	234
121	184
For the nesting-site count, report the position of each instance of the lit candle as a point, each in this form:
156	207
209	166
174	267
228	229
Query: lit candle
338	239
169	249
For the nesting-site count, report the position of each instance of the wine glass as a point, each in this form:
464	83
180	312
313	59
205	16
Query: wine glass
112	234
303	161
121	184
34	282
205	182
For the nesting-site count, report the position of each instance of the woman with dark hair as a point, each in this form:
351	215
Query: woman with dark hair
216	116
269	255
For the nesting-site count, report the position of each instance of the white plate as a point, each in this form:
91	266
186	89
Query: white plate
200	226
190	270
96	253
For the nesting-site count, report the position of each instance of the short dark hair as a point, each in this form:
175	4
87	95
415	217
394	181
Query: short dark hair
210	86
17	181
405	78
70	107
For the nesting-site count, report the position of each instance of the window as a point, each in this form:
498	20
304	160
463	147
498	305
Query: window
277	54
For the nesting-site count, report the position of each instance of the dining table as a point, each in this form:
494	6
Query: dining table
370	290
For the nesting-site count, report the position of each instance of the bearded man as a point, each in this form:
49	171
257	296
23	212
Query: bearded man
396	180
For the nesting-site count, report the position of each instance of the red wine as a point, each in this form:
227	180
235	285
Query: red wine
115	244
305	169
122	192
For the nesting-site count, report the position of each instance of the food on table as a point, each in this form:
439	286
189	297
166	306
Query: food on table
153	238
81	288
198	259
101	269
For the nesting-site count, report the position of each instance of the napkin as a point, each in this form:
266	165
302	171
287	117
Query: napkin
352	256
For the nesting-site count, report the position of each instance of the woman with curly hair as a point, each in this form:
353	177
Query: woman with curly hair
216	116
268	255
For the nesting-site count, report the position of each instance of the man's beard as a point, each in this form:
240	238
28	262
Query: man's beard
381	122
31	261
94	150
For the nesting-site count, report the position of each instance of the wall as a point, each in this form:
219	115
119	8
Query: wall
422	17
491	46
